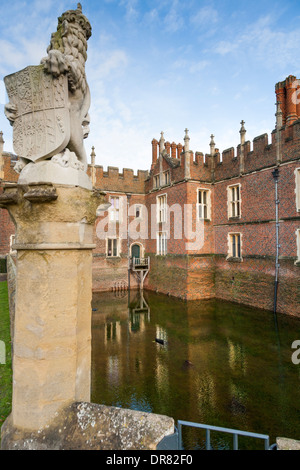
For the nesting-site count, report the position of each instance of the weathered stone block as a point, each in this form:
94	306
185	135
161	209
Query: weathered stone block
88	426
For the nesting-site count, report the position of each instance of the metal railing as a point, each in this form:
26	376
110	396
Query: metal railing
208	429
136	262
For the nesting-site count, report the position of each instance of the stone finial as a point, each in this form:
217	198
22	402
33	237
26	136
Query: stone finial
161	143
79	6
93	156
242	132
242	157
279	115
212	145
186	141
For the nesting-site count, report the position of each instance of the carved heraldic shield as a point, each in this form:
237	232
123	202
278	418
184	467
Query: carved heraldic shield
42	125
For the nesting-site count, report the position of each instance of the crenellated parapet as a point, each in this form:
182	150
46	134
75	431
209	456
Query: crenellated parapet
263	152
114	180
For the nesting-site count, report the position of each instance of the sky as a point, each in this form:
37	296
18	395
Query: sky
165	65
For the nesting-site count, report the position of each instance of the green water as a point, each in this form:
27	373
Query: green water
221	364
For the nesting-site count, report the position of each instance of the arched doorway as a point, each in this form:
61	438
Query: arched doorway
136	251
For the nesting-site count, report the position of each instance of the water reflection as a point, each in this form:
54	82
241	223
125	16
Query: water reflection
211	362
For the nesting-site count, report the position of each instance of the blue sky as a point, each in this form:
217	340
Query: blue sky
164	65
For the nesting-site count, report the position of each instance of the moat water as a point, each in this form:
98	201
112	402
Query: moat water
217	363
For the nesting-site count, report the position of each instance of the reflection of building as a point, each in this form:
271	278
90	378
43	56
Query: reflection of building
206	222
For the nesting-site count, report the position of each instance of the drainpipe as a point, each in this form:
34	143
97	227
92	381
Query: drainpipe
128	245
275	174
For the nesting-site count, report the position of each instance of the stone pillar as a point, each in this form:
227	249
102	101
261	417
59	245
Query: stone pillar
187	156
161	151
52	330
93	157
279	123
212	146
242	154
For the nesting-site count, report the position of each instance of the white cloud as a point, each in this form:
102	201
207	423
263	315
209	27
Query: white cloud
105	63
196	67
206	16
174	20
131	9
263	42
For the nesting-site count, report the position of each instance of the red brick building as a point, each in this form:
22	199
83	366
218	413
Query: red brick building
210	225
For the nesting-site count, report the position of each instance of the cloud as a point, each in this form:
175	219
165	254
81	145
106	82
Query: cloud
106	63
174	20
263	42
131	9
206	16
190	66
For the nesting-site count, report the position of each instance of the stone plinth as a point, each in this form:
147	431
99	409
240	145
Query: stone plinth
88	426
52	331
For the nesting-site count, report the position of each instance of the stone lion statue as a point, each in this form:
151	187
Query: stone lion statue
67	54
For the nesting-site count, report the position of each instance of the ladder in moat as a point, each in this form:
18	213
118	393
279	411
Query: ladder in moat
141	267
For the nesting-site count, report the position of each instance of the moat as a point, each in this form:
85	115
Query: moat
215	363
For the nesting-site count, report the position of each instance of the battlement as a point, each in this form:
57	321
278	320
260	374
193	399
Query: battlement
284	145
264	151
113	179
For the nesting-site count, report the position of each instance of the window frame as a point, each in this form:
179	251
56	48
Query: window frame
156	182
140	207
161	209
233	202
204	205
161	243
166	178
113	211
112	239
235	244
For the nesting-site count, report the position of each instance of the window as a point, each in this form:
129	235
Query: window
298	189
166	177
234	201
114	210
162	243
161	204
156	181
235	245
203	204
112	247
138	211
